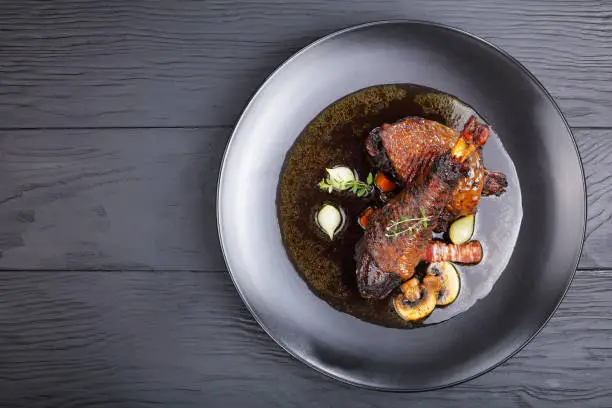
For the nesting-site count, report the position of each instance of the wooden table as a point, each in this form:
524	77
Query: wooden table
114	116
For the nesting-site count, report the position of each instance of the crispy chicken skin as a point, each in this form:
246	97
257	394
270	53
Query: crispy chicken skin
396	239
406	149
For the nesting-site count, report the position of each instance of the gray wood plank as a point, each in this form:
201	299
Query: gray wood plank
145	198
185	339
596	152
112	199
86	63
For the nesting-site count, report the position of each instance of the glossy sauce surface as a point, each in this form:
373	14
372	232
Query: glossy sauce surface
337	137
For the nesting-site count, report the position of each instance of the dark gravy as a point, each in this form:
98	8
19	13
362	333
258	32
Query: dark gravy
336	137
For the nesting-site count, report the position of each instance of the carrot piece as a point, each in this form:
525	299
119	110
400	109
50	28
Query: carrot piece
384	183
364	218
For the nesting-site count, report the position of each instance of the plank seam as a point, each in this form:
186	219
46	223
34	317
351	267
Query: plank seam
221	126
102	270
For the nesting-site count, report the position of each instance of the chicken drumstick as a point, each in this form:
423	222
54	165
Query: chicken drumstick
397	235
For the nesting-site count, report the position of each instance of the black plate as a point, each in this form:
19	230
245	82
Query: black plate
533	132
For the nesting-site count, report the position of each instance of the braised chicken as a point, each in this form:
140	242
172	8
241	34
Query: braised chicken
373	283
408	148
398	235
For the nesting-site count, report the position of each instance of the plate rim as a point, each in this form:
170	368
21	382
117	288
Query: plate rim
329	37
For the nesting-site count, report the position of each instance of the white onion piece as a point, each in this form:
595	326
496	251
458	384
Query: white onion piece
340	176
329	219
462	230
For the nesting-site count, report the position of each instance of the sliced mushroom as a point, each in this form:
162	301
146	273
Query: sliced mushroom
448	280
417	300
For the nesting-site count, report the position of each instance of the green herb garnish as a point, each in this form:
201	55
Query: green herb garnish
359	188
370	179
407	225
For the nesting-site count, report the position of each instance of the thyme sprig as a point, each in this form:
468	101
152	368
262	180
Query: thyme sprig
407	225
358	188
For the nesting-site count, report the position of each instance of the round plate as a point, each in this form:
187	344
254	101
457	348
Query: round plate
533	132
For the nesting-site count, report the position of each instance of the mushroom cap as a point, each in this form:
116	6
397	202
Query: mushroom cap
417	301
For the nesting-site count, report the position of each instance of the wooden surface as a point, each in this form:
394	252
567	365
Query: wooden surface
86	63
185	339
113	119
132	199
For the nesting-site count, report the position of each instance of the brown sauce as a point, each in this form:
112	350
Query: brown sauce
336	137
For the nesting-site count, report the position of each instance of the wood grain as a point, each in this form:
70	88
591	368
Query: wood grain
145	198
112	199
185	339
81	63
596	152
78	204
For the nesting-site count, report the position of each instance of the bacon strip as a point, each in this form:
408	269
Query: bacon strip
468	253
